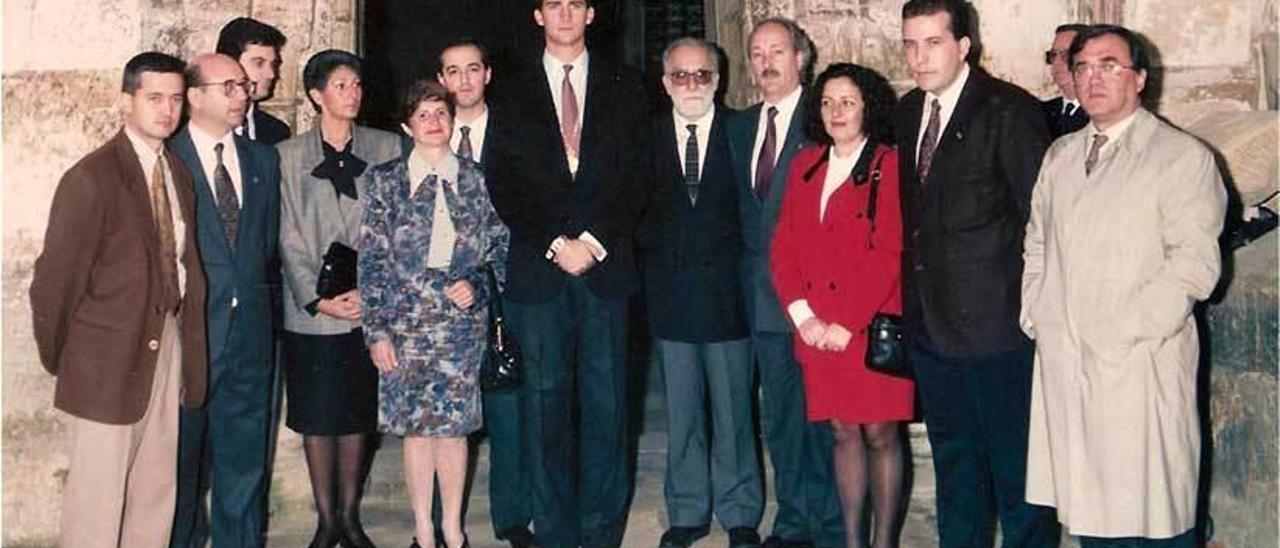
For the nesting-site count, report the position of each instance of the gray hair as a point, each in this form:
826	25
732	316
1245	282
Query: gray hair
799	38
713	54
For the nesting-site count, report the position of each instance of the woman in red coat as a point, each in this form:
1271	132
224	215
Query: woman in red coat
835	262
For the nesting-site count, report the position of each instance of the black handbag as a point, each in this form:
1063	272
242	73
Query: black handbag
502	368
337	271
885	351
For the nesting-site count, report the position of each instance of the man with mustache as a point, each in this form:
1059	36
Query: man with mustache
970	147
117	304
237	189
763	139
693	246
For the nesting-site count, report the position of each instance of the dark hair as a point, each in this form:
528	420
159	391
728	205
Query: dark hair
243	31
1070	27
423	90
958	10
878	99
151	61
1137	48
316	74
464	42
799	41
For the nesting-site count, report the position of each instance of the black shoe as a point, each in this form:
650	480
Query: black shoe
519	537
775	541
353	536
414	543
797	543
683	537
325	538
743	537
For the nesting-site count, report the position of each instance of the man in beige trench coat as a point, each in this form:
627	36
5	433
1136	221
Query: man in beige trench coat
1121	243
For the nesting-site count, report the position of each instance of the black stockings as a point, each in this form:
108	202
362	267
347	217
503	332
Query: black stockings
338	466
875	451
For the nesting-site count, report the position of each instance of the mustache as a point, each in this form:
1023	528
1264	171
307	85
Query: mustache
770	73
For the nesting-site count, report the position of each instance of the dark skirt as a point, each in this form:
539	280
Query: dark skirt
332	384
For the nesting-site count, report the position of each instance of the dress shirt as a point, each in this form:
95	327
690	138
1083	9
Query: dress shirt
703	135
443	233
947	99
248	128
578	78
479	128
1113	134
1070	106
148	157
204	144
786	110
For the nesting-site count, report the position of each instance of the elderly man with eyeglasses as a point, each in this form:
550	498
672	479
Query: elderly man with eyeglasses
1063	113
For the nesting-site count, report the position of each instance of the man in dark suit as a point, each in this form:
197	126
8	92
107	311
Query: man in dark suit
117	304
763	140
970	148
465	72
256	46
1063	113
692	242
566	173
237	189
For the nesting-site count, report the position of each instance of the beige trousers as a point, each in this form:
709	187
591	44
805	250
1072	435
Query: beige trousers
122	480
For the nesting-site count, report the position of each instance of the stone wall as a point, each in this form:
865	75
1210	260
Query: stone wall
61	81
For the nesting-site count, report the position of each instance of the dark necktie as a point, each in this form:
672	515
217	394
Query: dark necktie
929	142
464	142
568	114
160	208
1091	160
691	163
764	162
228	203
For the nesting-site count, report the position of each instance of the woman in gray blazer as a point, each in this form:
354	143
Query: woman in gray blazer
332	385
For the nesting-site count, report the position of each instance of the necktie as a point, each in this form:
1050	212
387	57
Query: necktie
160	209
930	141
764	162
464	142
568	114
228	202
1091	160
691	163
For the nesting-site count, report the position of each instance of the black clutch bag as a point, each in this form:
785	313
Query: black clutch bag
337	271
502	368
885	352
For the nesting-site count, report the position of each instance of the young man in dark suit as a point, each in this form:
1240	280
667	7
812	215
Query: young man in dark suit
763	139
256	46
970	148
566	173
692	242
237	189
1063	113
117	304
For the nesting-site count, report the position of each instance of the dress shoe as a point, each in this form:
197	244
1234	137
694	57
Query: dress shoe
353	536
743	537
683	537
518	536
414	543
775	541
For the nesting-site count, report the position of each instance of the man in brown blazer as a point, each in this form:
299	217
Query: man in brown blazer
117	300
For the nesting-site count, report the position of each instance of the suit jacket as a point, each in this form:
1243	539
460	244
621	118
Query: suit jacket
539	199
269	129
96	289
239	308
962	253
692	252
1060	125
764	313
312	216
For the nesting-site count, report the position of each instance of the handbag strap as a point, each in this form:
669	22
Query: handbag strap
873	193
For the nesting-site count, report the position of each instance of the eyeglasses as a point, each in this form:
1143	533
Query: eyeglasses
1054	54
228	86
700	77
1109	67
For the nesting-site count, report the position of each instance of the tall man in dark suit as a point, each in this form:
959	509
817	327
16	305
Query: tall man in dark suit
237	189
970	148
465	72
567	176
117	303
763	140
692	242
256	45
1063	113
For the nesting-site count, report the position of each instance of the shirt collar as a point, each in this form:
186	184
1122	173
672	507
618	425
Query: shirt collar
479	123
446	169
1116	130
703	122
787	104
951	95
205	142
555	66
147	156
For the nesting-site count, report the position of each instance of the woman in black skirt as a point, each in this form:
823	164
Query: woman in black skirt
332	384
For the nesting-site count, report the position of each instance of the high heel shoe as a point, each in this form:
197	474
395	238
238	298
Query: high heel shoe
353	536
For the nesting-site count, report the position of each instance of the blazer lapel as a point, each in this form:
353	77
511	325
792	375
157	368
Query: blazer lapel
137	184
974	92
185	148
250	188
913	109
543	106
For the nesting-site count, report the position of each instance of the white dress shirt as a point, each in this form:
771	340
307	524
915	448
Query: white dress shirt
248	128
443	232
947	99
1113	134
555	80
479	128
204	144
702	135
782	123
148	157
1070	106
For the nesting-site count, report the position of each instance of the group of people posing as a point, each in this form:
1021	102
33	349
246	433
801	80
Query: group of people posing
1045	289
